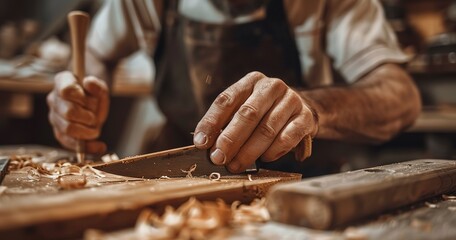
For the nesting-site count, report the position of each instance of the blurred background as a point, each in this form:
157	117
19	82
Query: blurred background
34	45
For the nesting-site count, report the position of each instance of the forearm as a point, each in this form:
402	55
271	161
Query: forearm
373	109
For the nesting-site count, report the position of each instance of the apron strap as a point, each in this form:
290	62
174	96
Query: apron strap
277	19
163	50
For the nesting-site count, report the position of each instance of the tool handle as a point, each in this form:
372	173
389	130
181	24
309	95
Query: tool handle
79	24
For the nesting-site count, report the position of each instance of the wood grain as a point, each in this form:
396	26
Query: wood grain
41	210
334	200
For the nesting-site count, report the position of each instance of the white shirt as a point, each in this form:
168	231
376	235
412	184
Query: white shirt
351	37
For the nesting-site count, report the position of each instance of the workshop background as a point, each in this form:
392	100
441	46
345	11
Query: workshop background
34	45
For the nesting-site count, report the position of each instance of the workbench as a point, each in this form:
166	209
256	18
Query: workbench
39	209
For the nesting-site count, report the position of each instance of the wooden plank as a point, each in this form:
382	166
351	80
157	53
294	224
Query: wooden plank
36	209
338	199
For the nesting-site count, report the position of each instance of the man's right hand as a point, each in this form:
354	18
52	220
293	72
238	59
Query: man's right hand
78	112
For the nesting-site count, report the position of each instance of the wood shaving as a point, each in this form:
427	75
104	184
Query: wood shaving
215	176
164	177
200	220
67	175
33	175
72	181
431	205
449	197
189	171
3	189
255	212
452	208
96	172
249	176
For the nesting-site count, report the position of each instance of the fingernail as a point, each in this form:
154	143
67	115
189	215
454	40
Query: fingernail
200	139
218	157
234	166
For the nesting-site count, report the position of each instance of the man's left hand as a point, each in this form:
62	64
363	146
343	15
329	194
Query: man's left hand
257	117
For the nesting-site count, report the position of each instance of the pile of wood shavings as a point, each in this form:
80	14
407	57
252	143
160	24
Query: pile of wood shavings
67	175
200	220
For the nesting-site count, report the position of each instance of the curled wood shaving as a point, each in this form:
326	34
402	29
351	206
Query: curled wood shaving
215	176
189	171
255	212
66	174
249	176
199	220
96	172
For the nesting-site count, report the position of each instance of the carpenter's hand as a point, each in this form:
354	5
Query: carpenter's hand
260	117
78	112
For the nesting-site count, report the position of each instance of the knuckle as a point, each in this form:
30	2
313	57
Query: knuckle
286	141
255	75
277	84
226	140
293	97
50	99
207	123
96	133
224	100
249	112
69	112
267	131
51	117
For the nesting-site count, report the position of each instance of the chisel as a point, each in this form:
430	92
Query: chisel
79	23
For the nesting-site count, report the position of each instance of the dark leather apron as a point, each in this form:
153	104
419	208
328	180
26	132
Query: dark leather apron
190	51
201	60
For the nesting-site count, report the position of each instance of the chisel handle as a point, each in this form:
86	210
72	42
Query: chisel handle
79	24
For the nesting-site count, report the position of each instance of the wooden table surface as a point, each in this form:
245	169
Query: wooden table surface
39	208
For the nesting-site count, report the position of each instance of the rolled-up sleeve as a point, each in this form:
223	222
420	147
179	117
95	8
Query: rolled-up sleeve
359	37
111	35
